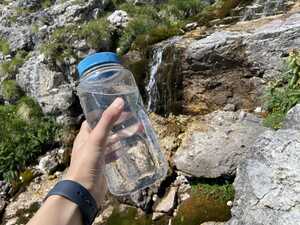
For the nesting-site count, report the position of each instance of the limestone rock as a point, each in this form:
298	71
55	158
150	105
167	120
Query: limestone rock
214	147
49	163
49	88
118	18
168	202
27	203
292	120
267	183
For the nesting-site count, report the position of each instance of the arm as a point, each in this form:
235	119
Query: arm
87	165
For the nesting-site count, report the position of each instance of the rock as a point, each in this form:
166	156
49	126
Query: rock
213	223
168	201
267	181
138	2
104	215
191	26
49	88
229	107
157	215
28	202
18	37
214	147
183	188
118	18
49	163
3	204
292	120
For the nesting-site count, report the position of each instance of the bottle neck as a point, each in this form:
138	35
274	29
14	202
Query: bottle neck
100	68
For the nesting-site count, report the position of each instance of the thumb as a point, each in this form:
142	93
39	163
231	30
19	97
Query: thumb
108	118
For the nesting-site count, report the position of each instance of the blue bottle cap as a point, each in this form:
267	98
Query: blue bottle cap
95	60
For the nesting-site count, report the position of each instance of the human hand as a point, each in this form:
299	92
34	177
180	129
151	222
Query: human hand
88	154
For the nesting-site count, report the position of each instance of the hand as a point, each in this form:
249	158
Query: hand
88	154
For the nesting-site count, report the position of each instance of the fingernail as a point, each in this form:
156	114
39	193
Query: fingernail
118	103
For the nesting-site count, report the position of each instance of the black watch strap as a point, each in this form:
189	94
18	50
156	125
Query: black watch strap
78	194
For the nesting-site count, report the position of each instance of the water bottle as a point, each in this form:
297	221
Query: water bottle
133	157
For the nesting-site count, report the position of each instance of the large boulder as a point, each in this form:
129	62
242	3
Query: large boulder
50	88
267	183
213	147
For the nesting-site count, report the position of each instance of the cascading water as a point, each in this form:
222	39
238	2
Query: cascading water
261	8
155	64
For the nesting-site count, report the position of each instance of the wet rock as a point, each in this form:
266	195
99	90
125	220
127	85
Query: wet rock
292	120
267	182
49	88
214	146
118	18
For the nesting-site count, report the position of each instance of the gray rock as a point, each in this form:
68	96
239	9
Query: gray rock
18	37
49	163
292	120
168	201
267	183
261	48
214	147
49	88
213	223
118	18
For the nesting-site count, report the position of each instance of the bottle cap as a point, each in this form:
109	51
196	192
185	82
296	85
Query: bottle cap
97	59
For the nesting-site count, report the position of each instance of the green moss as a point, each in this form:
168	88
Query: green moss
11	67
284	93
97	33
4	46
21	141
222	193
11	90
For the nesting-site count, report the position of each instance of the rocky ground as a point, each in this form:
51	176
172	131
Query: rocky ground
206	103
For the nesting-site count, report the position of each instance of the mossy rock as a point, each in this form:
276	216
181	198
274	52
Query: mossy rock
11	91
10	68
28	109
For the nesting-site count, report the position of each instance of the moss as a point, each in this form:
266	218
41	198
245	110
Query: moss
4	46
11	90
10	68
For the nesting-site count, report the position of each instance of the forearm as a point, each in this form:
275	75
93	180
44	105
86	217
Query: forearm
57	210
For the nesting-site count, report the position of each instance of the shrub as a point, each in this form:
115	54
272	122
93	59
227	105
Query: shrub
11	67
4	46
284	93
11	90
21	142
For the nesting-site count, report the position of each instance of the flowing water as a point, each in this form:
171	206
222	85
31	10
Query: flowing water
155	66
261	8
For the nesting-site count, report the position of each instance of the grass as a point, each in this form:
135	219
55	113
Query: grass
22	141
284	93
11	91
222	193
4	46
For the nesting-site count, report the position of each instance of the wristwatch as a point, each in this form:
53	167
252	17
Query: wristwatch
78	194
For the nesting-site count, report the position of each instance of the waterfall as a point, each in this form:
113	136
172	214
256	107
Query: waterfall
155	64
152	88
261	8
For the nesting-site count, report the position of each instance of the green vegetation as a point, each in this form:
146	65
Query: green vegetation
95	32
11	91
4	46
11	67
222	193
22	141
284	93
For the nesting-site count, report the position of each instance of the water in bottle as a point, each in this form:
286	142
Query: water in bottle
133	157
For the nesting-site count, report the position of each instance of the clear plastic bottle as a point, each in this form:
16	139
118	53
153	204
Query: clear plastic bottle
133	158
